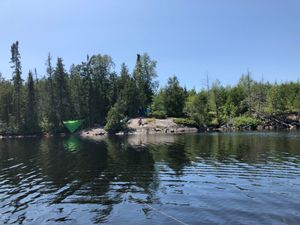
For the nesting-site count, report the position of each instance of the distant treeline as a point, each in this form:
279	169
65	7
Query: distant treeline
93	91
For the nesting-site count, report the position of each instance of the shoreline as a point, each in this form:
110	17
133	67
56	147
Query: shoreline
168	126
141	126
144	126
39	135
91	133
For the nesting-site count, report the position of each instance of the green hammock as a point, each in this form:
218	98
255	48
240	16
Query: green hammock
72	125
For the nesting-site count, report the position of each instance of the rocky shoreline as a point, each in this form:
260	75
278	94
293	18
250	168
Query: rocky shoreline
143	126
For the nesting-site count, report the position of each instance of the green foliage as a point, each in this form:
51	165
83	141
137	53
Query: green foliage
144	75
6	99
158	109
115	119
31	117
47	103
246	84
243	121
169	101
277	100
186	122
93	91
296	100
45	125
100	67
196	107
128	92
174	98
159	114
61	91
17	83
217	101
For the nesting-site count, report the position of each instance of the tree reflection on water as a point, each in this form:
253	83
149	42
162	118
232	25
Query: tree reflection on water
53	180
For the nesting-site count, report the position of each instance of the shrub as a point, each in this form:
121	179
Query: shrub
159	114
115	119
186	122
243	121
214	122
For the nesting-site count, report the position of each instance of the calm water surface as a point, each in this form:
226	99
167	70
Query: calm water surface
236	178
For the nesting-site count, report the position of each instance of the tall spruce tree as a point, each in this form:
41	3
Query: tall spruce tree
174	97
77	92
100	66
31	118
87	95
128	92
61	91
52	107
17	83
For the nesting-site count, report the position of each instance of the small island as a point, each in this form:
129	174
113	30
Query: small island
149	112
134	103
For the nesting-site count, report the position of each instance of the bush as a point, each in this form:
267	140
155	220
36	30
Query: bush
213	122
243	121
186	122
159	114
115	119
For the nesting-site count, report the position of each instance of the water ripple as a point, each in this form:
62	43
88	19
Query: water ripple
199	179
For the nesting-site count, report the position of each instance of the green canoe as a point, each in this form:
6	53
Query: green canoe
72	125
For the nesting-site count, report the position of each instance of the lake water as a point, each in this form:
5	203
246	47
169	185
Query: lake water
231	178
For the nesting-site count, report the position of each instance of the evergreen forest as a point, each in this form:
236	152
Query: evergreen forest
95	92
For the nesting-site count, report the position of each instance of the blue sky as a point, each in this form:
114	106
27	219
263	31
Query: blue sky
188	38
